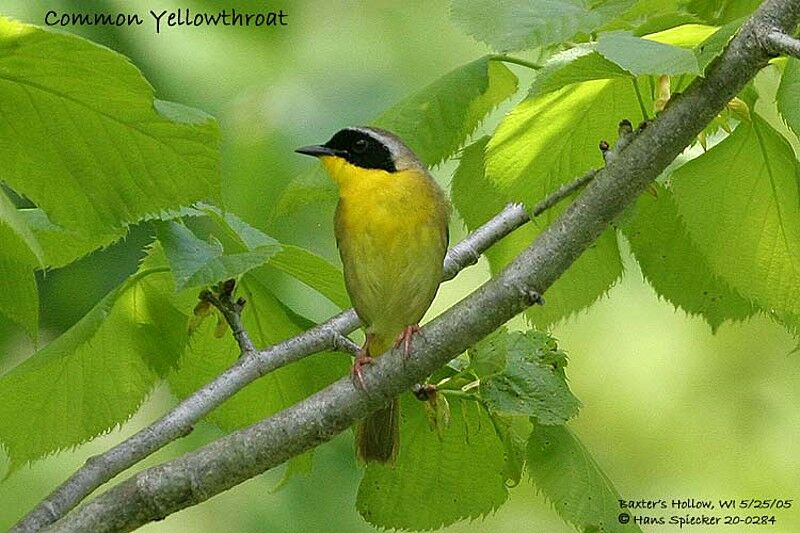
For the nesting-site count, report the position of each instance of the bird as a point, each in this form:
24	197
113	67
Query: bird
391	228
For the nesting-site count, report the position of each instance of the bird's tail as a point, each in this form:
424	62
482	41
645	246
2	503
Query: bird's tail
378	435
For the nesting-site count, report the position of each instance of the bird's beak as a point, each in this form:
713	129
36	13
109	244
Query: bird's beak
316	150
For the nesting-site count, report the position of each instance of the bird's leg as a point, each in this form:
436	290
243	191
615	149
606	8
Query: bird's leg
405	339
362	358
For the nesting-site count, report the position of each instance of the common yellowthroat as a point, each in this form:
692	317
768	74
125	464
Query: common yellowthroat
391	230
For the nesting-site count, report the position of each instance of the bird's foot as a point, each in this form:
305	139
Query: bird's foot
405	339
357	373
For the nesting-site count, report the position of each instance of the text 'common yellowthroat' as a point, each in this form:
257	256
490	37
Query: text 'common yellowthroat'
391	230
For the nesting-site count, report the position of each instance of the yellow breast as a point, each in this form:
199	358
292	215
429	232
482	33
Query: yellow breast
391	228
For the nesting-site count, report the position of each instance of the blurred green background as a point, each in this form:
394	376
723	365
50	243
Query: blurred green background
670	410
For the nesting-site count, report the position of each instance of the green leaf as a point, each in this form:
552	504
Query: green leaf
792	324
642	56
249	243
549	140
19	242
488	355
740	204
584	62
721	11
789	95
436	121
478	199
543	143
303	265
439	477
568	476
19	254
581	63
196	263
533	382
19	299
714	44
268	322
312	270
647	16
62	246
683	36
586	281
85	140
310	187
299	465
96	375
514	432
242	236
674	266
519	24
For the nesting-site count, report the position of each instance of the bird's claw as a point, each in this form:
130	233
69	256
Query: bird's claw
405	338
357	372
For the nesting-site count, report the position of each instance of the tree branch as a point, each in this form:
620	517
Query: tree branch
782	43
195	477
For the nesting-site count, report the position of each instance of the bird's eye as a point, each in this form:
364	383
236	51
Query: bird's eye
360	146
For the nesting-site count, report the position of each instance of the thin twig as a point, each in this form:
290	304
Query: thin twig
232	312
342	343
180	421
514	215
626	134
564	191
505	58
468	251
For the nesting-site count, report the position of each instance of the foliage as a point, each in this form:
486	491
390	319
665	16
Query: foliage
532	382
436	121
102	128
85	141
563	470
755	208
533	152
441	475
518	24
19	254
789	95
674	265
96	375
641	57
